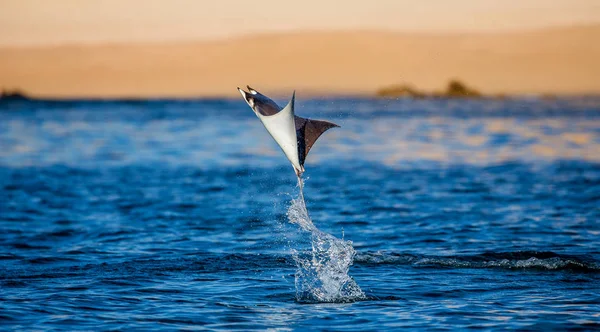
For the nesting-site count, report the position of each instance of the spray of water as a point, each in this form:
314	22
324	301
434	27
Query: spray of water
322	274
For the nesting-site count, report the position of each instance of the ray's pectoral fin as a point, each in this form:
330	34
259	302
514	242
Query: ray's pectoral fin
307	133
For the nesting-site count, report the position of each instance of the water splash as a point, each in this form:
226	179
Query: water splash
322	274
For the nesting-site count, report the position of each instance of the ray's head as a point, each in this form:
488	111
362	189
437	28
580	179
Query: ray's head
247	96
259	103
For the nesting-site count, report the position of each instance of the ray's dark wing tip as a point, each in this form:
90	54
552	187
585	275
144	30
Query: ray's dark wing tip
333	125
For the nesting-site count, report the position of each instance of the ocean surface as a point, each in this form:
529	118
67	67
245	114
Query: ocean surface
185	215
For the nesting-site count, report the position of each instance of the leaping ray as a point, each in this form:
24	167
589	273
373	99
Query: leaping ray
295	135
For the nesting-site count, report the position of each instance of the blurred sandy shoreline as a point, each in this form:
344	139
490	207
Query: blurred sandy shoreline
553	60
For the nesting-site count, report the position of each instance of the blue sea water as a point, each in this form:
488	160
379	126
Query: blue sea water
184	215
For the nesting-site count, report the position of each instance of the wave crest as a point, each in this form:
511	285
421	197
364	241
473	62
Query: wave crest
508	260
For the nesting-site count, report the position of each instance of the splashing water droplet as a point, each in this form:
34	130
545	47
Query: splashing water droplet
322	274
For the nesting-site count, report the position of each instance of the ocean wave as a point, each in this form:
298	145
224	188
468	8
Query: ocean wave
256	263
518	260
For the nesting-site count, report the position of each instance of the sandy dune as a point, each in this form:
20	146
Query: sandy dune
557	60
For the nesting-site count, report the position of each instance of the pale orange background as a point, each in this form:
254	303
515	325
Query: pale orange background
205	48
